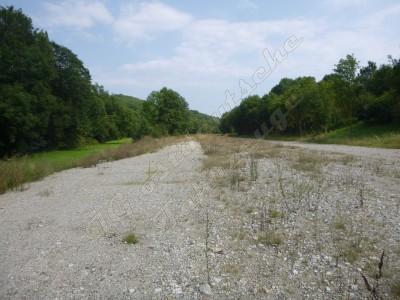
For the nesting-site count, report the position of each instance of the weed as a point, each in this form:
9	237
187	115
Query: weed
351	253
206	247
340	225
308	162
275	214
374	288
253	168
130	238
395	290
231	269
239	236
271	238
216	161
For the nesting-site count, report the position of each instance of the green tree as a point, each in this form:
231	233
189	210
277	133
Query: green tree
167	110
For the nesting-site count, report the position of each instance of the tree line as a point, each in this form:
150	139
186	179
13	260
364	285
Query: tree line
48	100
350	94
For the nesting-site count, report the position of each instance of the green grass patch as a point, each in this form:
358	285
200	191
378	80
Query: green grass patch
360	134
271	238
275	214
130	239
17	171
64	159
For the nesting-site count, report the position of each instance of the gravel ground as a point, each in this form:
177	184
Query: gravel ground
62	237
367	152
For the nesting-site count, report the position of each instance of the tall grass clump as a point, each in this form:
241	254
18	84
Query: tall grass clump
15	172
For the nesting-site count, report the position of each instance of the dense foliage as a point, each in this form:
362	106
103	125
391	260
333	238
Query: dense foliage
48	101
299	106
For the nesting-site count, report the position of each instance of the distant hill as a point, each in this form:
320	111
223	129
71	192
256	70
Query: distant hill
198	122
130	101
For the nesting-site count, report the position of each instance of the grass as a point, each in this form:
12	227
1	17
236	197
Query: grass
308	161
360	134
271	238
340	225
352	253
62	159
231	269
130	238
17	171
275	214
395	290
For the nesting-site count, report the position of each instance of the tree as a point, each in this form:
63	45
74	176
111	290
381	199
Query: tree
48	101
167	110
347	68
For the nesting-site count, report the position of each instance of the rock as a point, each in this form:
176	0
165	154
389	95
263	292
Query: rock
218	250
177	290
205	289
157	290
217	279
131	291
266	290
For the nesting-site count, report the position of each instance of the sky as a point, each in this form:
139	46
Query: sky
211	51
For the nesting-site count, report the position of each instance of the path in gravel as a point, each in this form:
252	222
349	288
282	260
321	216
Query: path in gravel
62	237
367	152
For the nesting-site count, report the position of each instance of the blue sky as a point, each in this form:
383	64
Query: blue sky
202	49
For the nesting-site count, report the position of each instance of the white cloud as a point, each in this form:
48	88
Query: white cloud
76	14
213	54
146	19
222	48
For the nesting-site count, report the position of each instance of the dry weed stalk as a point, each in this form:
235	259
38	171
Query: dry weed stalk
374	289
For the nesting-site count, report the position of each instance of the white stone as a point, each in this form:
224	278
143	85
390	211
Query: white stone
205	289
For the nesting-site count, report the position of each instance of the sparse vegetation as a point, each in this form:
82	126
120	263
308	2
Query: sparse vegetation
275	214
395	290
253	168
130	239
270	238
315	200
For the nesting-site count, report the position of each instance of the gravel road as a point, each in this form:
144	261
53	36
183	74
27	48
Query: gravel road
62	237
367	152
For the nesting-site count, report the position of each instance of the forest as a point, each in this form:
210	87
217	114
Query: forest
351	94
48	100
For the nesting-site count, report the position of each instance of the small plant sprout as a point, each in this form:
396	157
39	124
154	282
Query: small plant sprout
130	238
